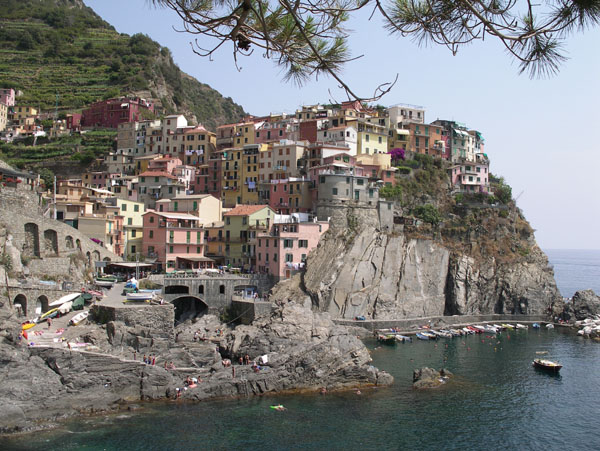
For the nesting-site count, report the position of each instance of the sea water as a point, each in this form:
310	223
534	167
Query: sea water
575	269
495	400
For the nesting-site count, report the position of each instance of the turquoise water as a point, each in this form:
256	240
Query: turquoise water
496	400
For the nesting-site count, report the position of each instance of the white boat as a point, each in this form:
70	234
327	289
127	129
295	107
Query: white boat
521	326
65	308
78	318
549	326
478	327
141	296
104	283
64	299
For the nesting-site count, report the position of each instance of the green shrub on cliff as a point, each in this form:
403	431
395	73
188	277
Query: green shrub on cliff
428	213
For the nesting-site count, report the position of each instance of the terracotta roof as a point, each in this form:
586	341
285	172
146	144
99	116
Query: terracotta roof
197	129
157	174
245	210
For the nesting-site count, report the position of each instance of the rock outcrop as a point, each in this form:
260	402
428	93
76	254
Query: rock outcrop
430	378
584	304
385	275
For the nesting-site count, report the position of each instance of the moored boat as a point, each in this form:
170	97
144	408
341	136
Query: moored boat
479	328
403	338
78	318
548	365
508	326
549	326
536	325
521	326
429	334
389	339
422	336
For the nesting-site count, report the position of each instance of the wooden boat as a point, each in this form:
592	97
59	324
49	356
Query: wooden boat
455	332
508	326
443	334
422	336
522	326
64	300
431	335
141	296
78	318
388	339
403	338
548	365
26	326
467	331
550	326
536	325
481	329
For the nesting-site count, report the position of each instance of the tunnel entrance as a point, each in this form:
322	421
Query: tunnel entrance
189	307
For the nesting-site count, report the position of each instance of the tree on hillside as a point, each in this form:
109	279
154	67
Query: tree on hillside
307	38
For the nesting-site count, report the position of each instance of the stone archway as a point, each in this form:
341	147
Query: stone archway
96	256
89	257
20	304
41	305
31	246
106	259
189	307
78	243
69	242
51	242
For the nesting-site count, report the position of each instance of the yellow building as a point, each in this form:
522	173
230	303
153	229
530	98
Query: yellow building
241	227
371	137
20	113
133	225
194	144
205	206
215	241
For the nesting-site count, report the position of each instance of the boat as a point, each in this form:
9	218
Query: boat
467	331
536	325
508	326
430	335
548	365
65	308
521	326
549	326
491	329
389	339
26	326
444	334
479	328
64	299
141	296
422	336
403	338
49	314
104	283
78	318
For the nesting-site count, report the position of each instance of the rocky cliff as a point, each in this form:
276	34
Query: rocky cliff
366	270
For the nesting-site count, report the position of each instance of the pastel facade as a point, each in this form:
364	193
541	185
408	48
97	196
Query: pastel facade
7	96
345	136
287	196
112	112
155	185
242	224
471	177
175	240
282	251
208	209
3	116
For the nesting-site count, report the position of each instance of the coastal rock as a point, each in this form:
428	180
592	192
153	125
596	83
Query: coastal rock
384	275
430	378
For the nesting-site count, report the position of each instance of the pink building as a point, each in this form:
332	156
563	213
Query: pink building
282	251
164	164
7	96
471	176
286	196
175	240
112	112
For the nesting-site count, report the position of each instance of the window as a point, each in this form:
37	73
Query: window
195	205
367	138
188	236
302	243
151	234
228	221
170	249
151	219
129	221
244	220
198	250
360	181
289	258
133	233
143	179
221	289
334	191
274	257
124	207
136	208
201	289
380	140
198	237
171	236
288	243
156	179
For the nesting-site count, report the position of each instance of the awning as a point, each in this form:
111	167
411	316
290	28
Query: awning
196	259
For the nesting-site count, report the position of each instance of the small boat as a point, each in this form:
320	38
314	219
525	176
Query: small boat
479	328
536	325
78	318
403	338
422	336
491	329
389	339
455	332
508	326
104	283
431	335
522	326
549	326
468	331
444	334
141	296
28	325
65	308
49	314
64	300
549	365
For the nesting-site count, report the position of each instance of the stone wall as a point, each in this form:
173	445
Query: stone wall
246	310
159	318
28	297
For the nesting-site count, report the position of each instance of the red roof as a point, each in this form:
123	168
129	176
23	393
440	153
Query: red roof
197	129
157	174
245	210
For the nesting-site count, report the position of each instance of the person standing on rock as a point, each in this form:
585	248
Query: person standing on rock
49	323
233	371
153	360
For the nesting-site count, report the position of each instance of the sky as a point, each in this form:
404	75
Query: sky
541	134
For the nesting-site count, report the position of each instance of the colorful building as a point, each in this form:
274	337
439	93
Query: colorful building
281	251
175	241
112	112
242	224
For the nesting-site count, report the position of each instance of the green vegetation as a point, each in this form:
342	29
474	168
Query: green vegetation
391	192
502	191
428	213
84	148
54	52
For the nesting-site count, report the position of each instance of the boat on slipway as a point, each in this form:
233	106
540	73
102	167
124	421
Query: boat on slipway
78	318
140	296
64	300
